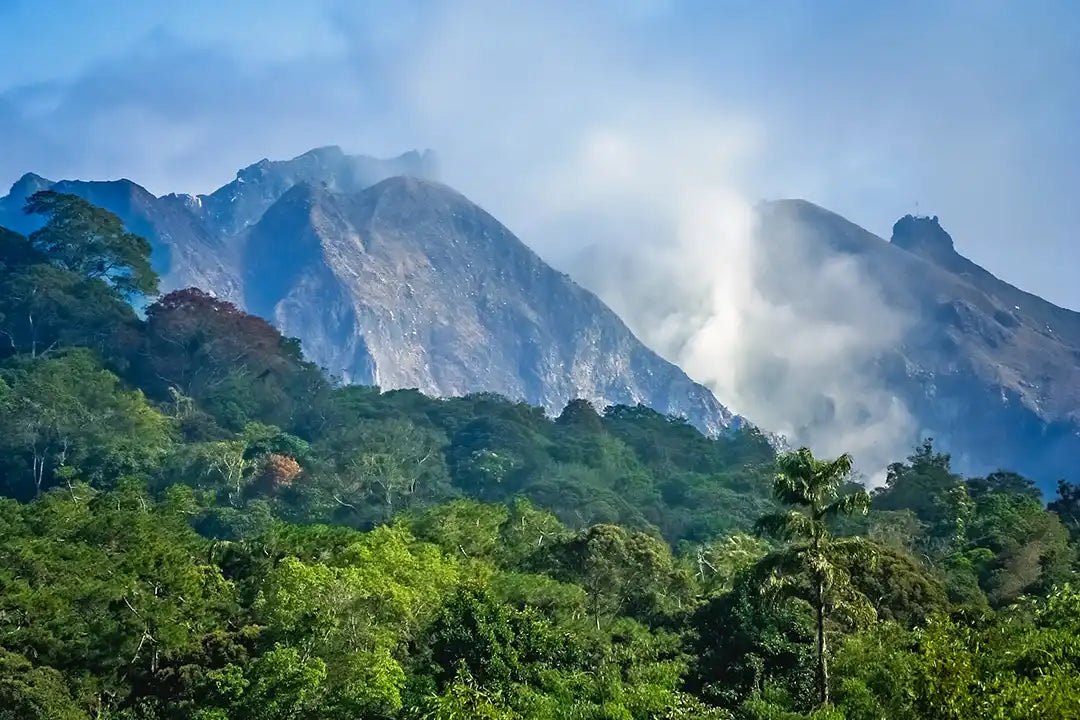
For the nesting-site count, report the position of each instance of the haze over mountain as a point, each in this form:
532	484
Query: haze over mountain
396	281
826	333
836	337
191	232
992	372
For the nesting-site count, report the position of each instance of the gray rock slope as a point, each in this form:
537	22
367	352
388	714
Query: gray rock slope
390	278
992	372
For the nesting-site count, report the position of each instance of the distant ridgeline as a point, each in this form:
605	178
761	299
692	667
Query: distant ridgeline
198	523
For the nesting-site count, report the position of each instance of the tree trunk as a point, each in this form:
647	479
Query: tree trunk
822	662
38	473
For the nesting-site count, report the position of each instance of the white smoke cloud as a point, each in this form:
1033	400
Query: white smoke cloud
785	332
641	189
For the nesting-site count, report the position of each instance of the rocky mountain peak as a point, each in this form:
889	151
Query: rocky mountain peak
242	202
102	192
11	205
326	153
409	194
408	284
989	371
923	236
27	185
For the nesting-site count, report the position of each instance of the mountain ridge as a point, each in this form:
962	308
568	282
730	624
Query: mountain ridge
437	269
989	368
391	278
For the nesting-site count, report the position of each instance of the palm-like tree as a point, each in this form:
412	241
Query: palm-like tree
812	487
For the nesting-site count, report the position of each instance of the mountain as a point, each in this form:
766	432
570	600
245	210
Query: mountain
243	201
390	278
197	238
990	371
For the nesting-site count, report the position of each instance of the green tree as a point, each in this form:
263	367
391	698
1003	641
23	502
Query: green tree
239	468
477	633
107	586
358	613
67	416
1067	506
718	564
284	685
92	242
34	693
623	572
466	698
462	527
45	307
746	646
1028	547
381	467
900	587
1023	663
811	486
926	486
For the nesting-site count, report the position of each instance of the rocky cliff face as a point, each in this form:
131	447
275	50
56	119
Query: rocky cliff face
390	278
990	371
408	284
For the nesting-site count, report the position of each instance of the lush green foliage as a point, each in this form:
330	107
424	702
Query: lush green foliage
811	559
200	524
92	243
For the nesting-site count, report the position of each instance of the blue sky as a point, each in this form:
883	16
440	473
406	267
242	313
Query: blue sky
969	109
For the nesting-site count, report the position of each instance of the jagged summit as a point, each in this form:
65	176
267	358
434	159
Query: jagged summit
240	203
332	166
11	205
923	236
29	184
403	195
413	183
325	151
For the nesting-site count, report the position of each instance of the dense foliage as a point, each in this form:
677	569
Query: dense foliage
198	523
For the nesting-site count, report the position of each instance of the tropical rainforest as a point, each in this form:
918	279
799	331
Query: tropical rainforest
198	523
